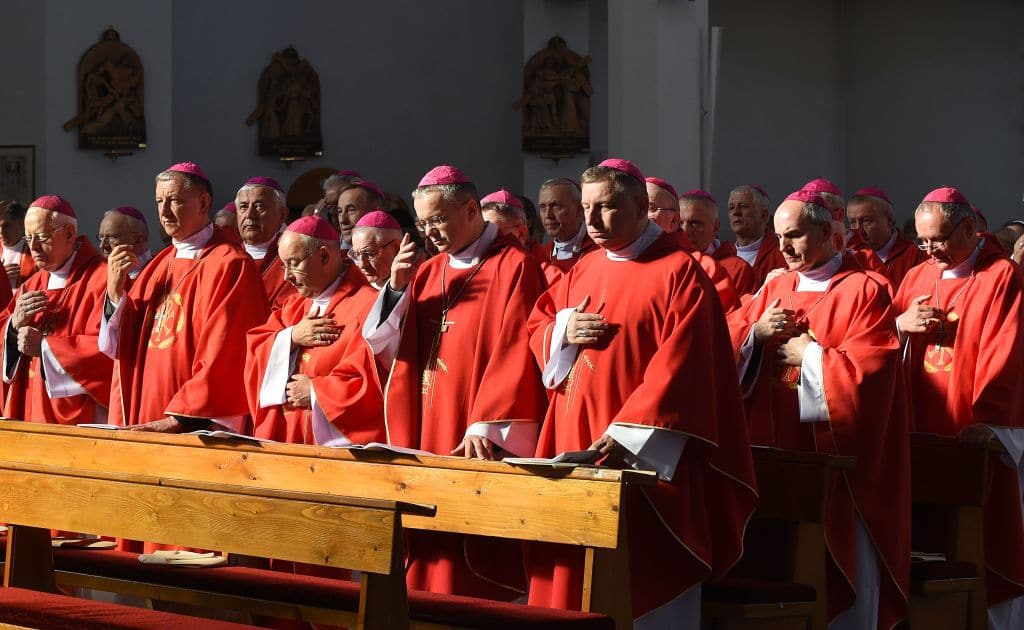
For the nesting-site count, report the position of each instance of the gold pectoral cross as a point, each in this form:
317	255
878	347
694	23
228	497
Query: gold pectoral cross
162	315
434	361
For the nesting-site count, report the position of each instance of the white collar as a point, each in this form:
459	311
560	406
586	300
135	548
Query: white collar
752	247
565	249
965	268
322	301
191	246
144	258
17	248
637	247
379	285
59	278
886	250
259	250
713	247
818	279
470	255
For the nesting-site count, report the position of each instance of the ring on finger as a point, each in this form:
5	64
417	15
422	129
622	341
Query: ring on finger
580	332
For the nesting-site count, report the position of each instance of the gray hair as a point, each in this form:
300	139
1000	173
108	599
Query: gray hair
817	215
711	205
57	219
833	200
377	234
278	195
570	185
337	180
951	212
190	180
137	225
505	211
621	182
449	192
877	202
761	200
310	243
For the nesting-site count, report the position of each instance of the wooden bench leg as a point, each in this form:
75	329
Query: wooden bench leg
29	559
606	584
383	599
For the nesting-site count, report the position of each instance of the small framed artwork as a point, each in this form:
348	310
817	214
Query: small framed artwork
18	173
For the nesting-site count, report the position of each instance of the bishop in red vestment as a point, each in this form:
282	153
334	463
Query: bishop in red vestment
963	325
454	336
54	371
819	359
698	215
262	210
17	258
873	225
178	335
634	347
749	212
561	214
311	377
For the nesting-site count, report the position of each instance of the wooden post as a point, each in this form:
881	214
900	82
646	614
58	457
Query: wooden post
606	583
383	599
29	559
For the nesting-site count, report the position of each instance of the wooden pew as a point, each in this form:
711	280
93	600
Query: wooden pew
581	506
360	534
784	548
948	484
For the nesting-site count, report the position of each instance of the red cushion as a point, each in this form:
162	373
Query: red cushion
322	592
942	570
749	591
47	611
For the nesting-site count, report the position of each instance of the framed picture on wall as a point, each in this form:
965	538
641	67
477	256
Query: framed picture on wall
18	173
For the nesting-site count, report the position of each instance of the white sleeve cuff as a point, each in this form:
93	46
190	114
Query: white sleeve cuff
384	339
324	432
9	369
1012	440
59	384
562	353
652	448
518	438
273	388
746	354
110	330
811	390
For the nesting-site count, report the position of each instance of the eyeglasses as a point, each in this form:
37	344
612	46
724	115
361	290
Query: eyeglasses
937	243
434	221
42	239
293	266
358	254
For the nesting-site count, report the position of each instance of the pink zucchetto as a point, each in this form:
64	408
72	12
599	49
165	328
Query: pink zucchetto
822	185
503	196
443	175
54	203
697	193
807	196
378	219
230	207
624	166
189	168
871	191
269	182
946	194
315	227
348	174
129	211
660	183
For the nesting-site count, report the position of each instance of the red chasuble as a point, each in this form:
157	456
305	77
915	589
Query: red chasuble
971	370
182	336
769	257
343	374
902	257
469	364
727	294
741	274
277	289
544	254
230	233
667	366
71	324
868	418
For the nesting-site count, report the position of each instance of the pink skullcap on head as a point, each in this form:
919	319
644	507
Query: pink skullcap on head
269	182
660	183
503	196
946	194
189	168
55	203
807	196
625	166
367	184
443	175
129	211
822	185
315	227
697	193
378	219
230	207
349	174
871	191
